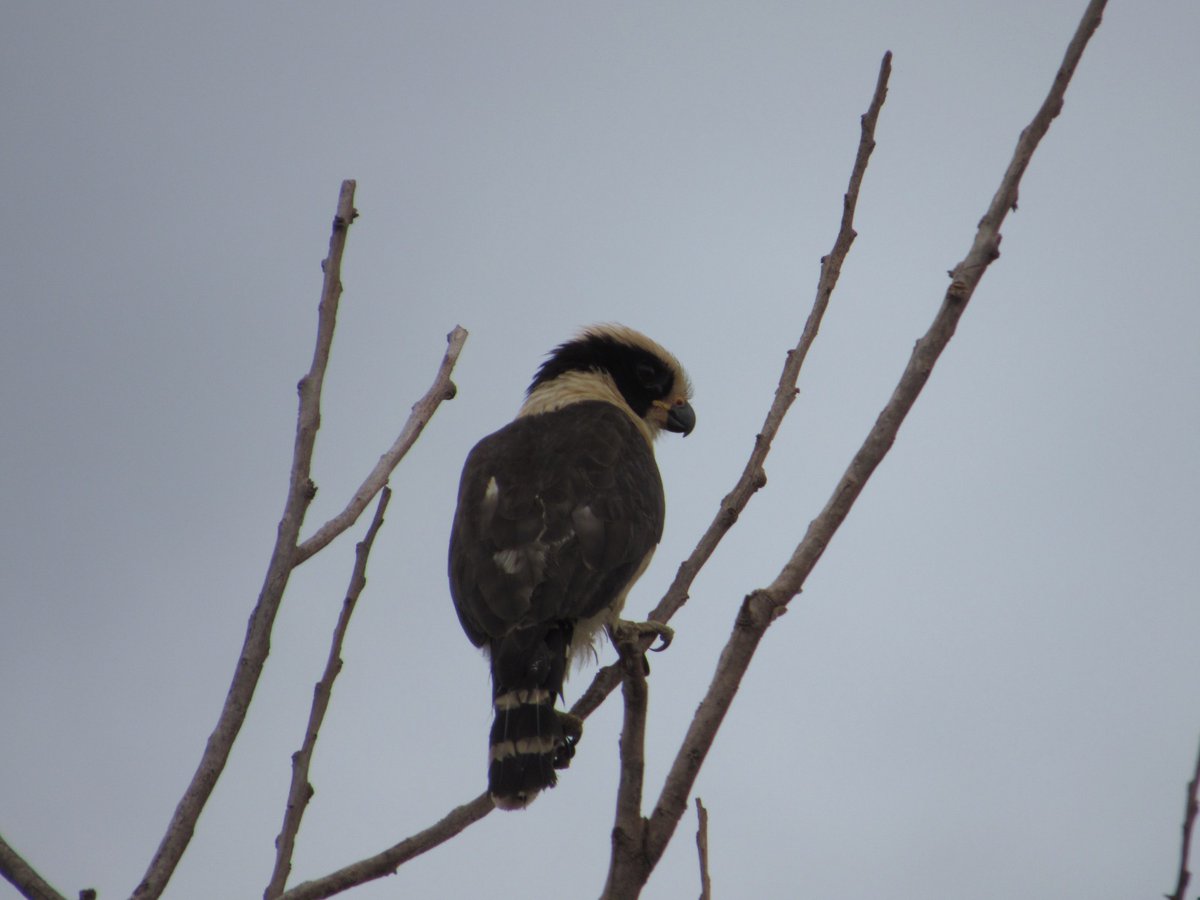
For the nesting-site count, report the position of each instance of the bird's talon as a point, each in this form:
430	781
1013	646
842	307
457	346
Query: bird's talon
572	726
665	633
624	632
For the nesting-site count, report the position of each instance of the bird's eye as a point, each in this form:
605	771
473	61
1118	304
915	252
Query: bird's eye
650	376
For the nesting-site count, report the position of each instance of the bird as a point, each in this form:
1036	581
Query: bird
558	514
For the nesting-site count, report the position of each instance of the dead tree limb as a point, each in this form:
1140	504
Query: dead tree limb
1189	823
301	789
287	554
629	827
754	476
422	411
702	850
387	862
762	607
631	862
23	876
258	632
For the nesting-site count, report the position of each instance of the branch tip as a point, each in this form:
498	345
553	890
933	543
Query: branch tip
702	849
284	558
422	412
1190	807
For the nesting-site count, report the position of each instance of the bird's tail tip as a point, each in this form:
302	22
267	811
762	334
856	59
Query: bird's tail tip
530	740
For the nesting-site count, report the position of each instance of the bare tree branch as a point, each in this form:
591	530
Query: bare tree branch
751	480
287	554
762	607
387	862
422	411
257	643
702	850
629	829
604	682
301	790
22	876
964	278
754	476
1189	822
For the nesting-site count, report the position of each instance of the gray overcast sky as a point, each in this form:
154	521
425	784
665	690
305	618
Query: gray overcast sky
990	684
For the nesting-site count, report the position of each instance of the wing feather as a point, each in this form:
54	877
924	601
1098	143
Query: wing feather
556	513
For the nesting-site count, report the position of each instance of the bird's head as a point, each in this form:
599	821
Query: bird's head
619	365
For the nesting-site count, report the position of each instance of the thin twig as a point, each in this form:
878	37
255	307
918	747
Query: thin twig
702	850
629	829
754	475
257	643
762	607
1189	822
632	874
301	790
23	877
604	682
422	411
387	862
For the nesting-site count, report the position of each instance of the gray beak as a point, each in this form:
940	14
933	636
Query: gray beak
681	419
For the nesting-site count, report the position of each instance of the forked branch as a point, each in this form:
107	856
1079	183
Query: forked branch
287	554
762	607
752	478
422	411
257	643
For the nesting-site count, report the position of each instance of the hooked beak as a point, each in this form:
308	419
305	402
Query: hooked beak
681	418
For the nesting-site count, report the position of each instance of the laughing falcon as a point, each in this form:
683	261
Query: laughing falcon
558	514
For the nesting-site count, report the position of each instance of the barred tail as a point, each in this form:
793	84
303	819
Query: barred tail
530	739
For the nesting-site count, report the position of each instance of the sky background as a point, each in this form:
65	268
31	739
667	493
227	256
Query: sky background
991	683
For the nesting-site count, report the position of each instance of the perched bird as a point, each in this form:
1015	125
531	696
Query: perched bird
558	514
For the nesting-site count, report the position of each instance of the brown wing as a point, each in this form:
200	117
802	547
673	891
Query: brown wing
556	513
